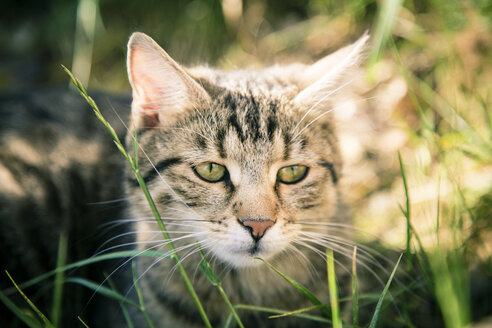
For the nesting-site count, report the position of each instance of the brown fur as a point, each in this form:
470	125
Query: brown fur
253	123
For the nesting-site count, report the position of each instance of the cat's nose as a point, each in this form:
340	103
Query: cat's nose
256	227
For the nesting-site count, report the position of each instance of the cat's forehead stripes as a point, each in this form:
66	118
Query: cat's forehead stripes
251	119
247	114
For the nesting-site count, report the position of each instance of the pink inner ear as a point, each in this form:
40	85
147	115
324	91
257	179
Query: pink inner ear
145	101
145	98
161	88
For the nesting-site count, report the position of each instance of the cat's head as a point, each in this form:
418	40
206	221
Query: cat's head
245	162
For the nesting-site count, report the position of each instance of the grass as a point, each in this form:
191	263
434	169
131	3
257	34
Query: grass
441	170
377	311
333	289
42	320
205	268
355	291
59	281
133	162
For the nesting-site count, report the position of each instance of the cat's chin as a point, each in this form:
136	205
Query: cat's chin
243	259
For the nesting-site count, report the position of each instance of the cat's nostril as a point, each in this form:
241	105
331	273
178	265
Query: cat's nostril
256	227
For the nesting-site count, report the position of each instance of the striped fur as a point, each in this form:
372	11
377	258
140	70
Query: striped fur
253	123
60	172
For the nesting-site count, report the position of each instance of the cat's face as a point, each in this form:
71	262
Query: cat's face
246	160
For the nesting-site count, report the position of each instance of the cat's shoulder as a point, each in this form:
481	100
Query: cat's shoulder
22	111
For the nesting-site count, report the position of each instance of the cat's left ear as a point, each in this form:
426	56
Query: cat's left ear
161	87
332	73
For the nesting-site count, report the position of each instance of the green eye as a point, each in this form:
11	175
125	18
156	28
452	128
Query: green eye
292	173
210	172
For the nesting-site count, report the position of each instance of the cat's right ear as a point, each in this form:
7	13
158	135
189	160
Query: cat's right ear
331	74
161	87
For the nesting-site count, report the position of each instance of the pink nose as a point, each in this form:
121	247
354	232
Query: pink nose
256	227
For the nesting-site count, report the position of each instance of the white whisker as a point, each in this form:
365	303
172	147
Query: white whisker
323	114
317	103
153	166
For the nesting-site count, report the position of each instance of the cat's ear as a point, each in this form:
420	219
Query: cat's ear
332	73
161	87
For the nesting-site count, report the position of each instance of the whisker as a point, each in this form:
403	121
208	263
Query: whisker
320	253
152	164
366	251
157	260
337	225
112	201
149	219
371	253
185	256
156	233
120	266
323	114
347	253
196	132
317	103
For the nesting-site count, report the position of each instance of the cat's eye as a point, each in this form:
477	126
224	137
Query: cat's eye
210	172
292	173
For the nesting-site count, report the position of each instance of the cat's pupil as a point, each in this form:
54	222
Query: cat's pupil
210	172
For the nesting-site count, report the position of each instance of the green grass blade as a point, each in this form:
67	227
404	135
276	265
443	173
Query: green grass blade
411	232
30	321
386	19
140	297
206	269
95	259
58	290
124	310
229	321
135	149
487	116
126	316
147	195
46	322
303	290
383	294
438	211
332	287
82	321
230	306
303	310
279	311
451	289
105	291
215	281
355	291
406	211
411	92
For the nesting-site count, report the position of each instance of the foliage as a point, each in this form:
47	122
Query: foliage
429	73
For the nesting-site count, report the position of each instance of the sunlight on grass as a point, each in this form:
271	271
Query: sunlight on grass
417	136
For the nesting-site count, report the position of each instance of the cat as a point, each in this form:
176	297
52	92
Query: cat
241	164
246	163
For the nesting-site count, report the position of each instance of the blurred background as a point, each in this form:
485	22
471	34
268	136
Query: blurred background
425	92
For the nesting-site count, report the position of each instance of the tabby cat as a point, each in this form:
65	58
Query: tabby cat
247	164
243	163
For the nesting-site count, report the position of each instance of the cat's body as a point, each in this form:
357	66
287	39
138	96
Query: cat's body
57	165
244	164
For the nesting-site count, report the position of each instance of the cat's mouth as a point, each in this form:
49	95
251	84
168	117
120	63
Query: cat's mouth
240	256
247	240
255	249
